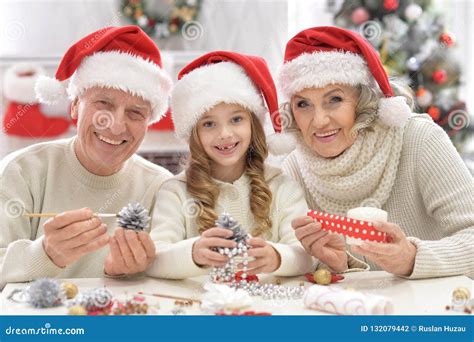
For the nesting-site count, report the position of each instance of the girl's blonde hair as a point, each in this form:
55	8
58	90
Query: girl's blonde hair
205	191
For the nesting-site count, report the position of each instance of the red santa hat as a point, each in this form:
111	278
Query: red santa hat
319	56
123	58
223	76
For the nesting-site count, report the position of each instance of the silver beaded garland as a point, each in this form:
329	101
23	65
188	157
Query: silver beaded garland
269	291
237	254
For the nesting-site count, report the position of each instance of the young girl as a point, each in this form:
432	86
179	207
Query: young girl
217	106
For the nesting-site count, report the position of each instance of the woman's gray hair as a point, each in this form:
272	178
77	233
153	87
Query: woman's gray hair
368	103
366	108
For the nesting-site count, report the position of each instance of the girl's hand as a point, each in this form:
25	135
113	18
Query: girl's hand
203	255
267	259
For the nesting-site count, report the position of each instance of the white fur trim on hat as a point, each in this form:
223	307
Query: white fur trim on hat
319	69
117	70
203	88
21	89
281	143
394	111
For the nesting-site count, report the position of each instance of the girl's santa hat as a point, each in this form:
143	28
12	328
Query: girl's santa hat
223	76
319	56
123	58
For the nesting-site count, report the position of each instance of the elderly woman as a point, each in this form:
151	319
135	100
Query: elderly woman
359	145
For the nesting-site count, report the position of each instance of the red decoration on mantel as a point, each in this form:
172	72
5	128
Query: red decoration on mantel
348	227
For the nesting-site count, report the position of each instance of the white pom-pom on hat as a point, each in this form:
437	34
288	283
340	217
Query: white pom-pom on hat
394	111
49	90
281	143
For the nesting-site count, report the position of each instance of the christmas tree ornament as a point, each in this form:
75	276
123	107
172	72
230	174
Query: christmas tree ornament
413	64
439	76
77	310
360	15
423	97
346	302
447	39
70	290
434	112
95	301
237	254
322	277
42	293
390	5
134	216
413	12
334	278
356	229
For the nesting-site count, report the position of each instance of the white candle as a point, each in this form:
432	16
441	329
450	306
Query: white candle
368	214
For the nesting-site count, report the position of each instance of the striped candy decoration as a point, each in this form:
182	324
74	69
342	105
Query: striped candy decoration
346	226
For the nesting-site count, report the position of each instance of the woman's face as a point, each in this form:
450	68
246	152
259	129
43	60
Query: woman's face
325	117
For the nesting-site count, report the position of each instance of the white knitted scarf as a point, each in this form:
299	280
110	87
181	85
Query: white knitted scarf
363	175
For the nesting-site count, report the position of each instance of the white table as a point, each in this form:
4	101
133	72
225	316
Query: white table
410	297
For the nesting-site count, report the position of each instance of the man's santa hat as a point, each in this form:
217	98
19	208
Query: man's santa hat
319	56
123	58
223	76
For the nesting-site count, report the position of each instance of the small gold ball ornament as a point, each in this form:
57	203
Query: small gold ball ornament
77	310
70	290
322	277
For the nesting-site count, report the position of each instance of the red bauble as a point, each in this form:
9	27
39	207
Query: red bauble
390	5
447	39
434	112
359	15
439	76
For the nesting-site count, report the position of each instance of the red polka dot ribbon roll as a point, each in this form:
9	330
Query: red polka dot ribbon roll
346	226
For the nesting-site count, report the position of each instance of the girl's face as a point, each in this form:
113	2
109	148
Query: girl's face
325	117
225	134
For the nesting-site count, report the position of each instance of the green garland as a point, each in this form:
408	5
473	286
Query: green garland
160	26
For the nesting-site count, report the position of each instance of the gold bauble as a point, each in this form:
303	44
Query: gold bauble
77	310
70	290
322	277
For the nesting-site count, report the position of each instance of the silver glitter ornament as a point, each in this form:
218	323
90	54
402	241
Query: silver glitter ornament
42	293
134	216
93	299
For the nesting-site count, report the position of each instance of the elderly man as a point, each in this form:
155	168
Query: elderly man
118	88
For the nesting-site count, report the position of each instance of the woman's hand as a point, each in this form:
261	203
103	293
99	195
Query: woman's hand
396	257
328	248
203	255
267	259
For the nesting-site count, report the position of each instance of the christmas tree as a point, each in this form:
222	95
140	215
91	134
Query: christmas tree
414	46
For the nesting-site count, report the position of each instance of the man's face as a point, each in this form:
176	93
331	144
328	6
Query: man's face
111	126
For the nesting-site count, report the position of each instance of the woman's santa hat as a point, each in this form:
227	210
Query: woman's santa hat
223	76
319	56
123	58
